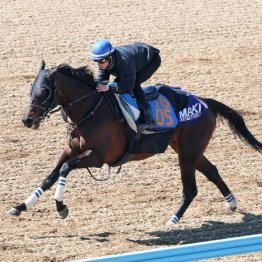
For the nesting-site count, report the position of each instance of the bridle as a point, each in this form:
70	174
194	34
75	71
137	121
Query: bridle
47	110
68	105
64	106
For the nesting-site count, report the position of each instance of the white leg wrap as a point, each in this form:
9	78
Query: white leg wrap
232	202
174	220
34	197
59	193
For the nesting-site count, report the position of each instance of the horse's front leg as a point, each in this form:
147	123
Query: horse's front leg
35	196
89	158
47	183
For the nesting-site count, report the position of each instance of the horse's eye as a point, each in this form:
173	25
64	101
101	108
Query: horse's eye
43	93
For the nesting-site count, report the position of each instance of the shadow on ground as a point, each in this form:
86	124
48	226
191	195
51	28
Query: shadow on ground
210	230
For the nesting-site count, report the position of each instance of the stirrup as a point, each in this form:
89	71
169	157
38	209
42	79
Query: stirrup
144	126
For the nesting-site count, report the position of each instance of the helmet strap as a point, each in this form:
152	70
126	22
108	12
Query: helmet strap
111	62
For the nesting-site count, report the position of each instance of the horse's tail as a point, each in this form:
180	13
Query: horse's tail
235	122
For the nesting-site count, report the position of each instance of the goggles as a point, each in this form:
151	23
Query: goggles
102	61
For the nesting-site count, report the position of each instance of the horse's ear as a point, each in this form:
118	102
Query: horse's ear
42	65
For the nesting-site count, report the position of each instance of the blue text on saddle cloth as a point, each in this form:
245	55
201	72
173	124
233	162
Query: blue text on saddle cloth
163	113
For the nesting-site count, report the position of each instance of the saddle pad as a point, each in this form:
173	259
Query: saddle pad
129	109
188	110
187	107
162	112
172	107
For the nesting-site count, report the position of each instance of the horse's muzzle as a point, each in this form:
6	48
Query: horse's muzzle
30	122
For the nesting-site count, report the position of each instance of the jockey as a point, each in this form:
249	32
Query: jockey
131	65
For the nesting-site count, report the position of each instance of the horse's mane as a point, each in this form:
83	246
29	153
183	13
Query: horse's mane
83	74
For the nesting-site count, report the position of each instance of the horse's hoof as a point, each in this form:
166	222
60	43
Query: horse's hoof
233	204
232	209
14	212
64	213
170	223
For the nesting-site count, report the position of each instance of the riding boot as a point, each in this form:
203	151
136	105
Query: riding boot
148	120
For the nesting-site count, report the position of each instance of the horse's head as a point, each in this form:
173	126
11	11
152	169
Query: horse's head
42	99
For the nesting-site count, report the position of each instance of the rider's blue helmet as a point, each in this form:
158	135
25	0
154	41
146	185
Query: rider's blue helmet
101	50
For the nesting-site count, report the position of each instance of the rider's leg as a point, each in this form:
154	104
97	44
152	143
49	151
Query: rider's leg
149	70
144	108
141	77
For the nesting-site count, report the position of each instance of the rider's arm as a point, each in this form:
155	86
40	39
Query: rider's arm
127	78
102	80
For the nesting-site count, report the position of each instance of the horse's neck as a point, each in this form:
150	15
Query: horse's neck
77	96
73	89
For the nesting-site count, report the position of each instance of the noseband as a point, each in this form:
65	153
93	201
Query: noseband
47	112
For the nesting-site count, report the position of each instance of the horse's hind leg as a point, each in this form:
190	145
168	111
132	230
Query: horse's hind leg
187	170
187	162
211	172
190	143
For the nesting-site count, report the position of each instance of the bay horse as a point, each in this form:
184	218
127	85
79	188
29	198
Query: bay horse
98	138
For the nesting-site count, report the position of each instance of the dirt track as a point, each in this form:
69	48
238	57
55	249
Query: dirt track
211	48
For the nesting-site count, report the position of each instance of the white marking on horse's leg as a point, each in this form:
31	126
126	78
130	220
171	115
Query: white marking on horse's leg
232	202
29	202
59	193
174	220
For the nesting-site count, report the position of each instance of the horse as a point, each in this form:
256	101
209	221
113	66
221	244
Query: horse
98	137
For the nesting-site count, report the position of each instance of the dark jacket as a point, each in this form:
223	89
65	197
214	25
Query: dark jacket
126	62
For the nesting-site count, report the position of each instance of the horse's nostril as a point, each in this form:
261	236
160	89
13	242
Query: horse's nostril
27	121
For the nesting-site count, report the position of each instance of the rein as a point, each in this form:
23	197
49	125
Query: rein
80	99
69	105
91	113
109	175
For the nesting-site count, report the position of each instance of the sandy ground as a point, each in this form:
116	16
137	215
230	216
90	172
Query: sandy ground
209	47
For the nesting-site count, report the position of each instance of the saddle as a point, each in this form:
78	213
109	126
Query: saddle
151	92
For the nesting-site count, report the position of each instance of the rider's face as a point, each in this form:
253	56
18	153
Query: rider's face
103	64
